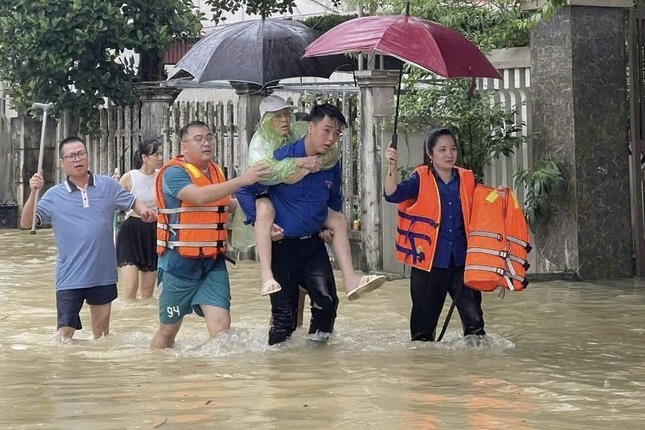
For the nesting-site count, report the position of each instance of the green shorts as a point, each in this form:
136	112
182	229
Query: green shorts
180	297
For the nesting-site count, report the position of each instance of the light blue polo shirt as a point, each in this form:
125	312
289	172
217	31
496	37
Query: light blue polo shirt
82	223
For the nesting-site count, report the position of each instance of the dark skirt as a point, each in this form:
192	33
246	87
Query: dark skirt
136	244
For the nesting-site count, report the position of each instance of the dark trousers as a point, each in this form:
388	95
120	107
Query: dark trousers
428	291
295	263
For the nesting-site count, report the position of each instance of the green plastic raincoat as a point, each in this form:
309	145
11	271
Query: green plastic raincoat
266	140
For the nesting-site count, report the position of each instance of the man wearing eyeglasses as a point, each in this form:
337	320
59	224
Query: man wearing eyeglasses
193	202
80	210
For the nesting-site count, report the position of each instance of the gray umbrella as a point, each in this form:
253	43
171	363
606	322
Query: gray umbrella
257	51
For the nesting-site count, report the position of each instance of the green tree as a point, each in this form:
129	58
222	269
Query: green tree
482	126
495	24
156	26
262	8
68	52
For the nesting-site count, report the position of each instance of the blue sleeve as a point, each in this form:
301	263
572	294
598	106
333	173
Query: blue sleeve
406	190
246	198
174	180
123	200
291	150
335	201
45	207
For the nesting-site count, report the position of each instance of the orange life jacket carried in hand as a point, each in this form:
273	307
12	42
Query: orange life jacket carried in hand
417	228
196	231
497	242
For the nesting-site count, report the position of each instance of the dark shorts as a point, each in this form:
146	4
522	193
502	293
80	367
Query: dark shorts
70	302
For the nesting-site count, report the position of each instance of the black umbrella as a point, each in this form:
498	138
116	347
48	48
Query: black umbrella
259	52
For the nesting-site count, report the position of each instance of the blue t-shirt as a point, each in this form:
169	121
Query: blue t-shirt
82	223
174	180
300	208
451	244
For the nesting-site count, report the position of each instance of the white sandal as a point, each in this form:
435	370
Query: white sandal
269	287
367	284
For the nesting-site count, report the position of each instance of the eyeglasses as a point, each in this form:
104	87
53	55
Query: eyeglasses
81	155
200	140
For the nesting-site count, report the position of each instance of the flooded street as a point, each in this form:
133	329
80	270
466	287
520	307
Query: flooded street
560	355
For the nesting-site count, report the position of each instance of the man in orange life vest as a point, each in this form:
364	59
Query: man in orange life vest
193	202
434	212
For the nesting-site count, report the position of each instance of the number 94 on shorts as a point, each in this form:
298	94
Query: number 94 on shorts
180	296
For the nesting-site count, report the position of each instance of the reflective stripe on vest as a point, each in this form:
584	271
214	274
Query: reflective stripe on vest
175	227
196	231
175	243
216	209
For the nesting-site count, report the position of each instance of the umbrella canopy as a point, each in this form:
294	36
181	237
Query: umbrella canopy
257	51
420	42
425	44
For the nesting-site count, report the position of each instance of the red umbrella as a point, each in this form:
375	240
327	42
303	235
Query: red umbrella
426	44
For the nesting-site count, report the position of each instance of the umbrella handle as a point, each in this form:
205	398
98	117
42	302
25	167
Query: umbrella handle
393	144
396	110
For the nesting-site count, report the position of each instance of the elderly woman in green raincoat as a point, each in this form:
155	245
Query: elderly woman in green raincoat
277	127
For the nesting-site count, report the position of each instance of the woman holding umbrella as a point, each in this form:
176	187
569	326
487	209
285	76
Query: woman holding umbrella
434	212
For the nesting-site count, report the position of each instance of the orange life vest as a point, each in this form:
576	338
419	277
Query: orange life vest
197	231
497	242
417	229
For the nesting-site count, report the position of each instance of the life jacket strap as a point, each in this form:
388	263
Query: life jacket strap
415	218
502	254
488	234
174	227
411	236
519	242
525	264
216	209
417	257
506	256
170	244
508	276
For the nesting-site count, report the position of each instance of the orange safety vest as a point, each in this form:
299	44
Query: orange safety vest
497	242
199	230
417	229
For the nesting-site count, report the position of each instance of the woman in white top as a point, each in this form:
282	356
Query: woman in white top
136	241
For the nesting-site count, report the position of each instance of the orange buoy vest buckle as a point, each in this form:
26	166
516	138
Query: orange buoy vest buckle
498	242
417	228
194	231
